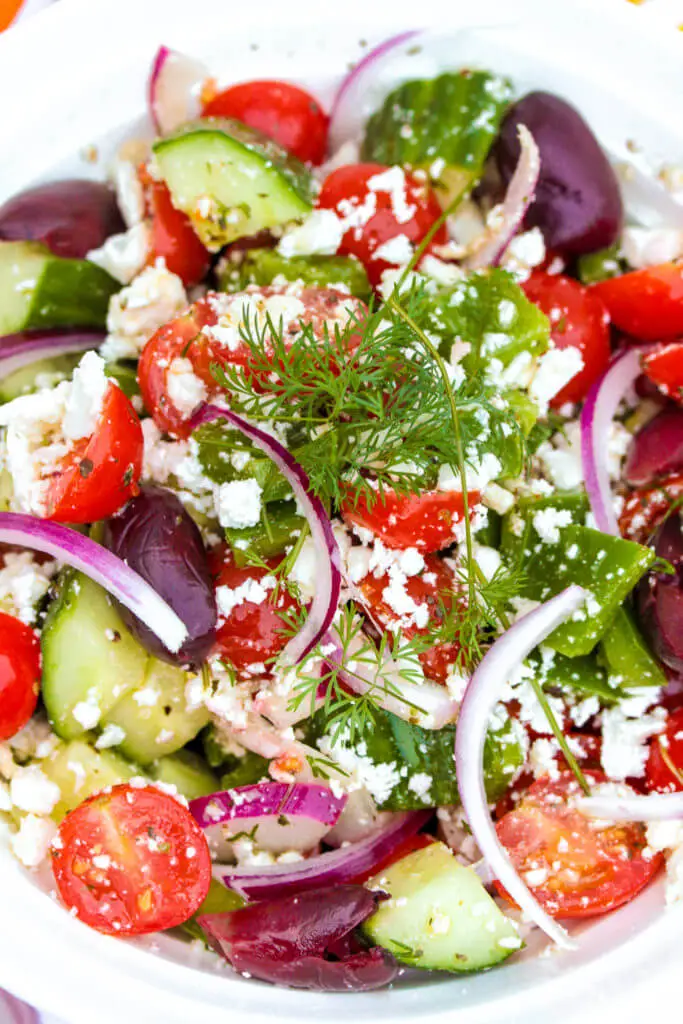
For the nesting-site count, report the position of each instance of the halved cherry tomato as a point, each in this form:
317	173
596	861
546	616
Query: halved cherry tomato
435	591
404	848
101	472
422	521
253	632
664	367
664	768
284	112
644	509
586	747
403	206
574	867
19	674
322	308
131	860
577	320
647	304
174	239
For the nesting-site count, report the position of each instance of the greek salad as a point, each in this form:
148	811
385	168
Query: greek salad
341	462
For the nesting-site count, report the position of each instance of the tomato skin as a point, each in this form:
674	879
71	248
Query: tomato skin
19	674
154	867
102	471
423	521
645	508
577	320
664	367
647	304
252	633
348	186
174	239
437	661
659	778
586	870
284	112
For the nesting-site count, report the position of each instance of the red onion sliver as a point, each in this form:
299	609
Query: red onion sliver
481	695
20	350
100	565
518	198
653	807
328	584
18	1012
266	799
331	868
596	419
173	89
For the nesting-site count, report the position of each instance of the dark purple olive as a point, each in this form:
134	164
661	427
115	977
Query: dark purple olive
304	941
659	597
657	449
70	217
159	540
578	204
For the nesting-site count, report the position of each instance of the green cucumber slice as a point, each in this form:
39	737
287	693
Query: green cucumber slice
440	916
155	717
89	657
231	180
262	266
453	118
80	770
188	772
38	289
52	371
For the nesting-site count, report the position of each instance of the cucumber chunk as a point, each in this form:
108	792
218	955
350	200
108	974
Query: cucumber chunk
453	118
155	717
38	289
276	529
89	657
188	772
440	916
231	180
262	266
80	770
43	373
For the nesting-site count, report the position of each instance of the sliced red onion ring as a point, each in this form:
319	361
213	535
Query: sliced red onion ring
365	87
329	868
481	695
20	350
328	583
653	807
174	89
17	1011
596	420
101	566
517	200
283	817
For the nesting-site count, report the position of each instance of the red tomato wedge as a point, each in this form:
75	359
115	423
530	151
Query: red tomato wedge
101	472
19	675
574	867
645	508
664	769
647	304
131	860
422	521
254	631
433	587
284	112
403	208
577	320
664	367
174	239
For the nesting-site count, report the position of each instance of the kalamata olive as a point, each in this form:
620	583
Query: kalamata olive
659	597
657	449
70	217
578	205
156	536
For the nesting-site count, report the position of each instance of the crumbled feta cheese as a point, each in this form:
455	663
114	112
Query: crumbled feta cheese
320	234
646	247
84	399
480	472
23	584
303	571
555	368
440	271
624	741
420	784
358	563
497	498
124	255
548	522
147	697
32	842
393	181
87	712
185	390
398	250
525	251
488	559
152	299
130	194
238	503
378	779
668	836
253	591
31	790
111	736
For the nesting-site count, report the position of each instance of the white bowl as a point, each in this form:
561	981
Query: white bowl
75	77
